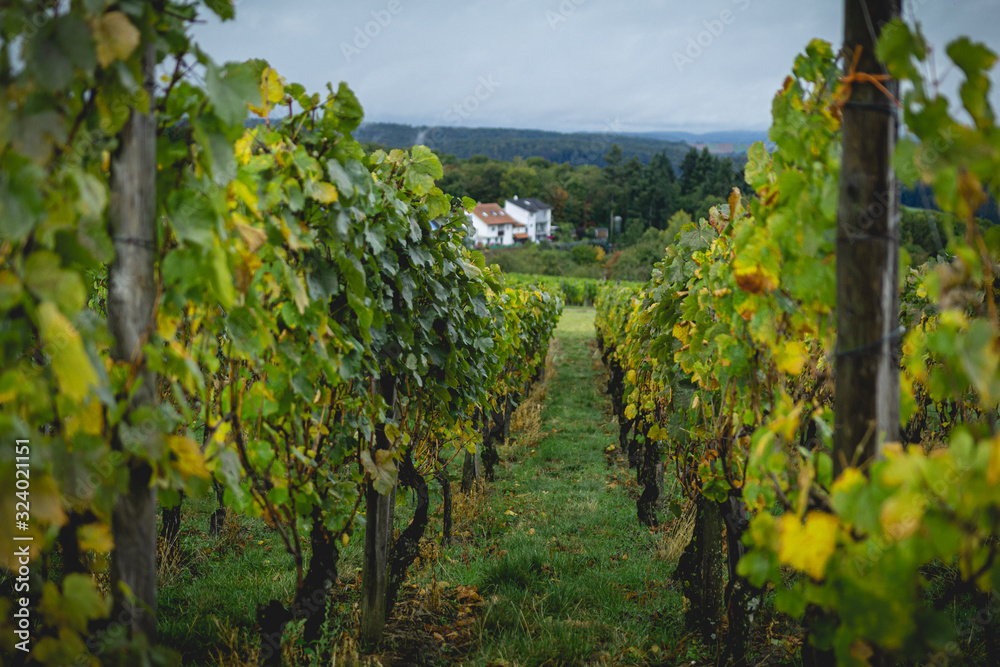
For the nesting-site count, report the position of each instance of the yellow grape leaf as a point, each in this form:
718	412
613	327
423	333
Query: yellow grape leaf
900	515
970	189
243	147
190	462
272	90
253	237
993	468
630	376
46	502
631	411
392	433
90	419
791	357
907	399
272	86
755	279
115	37
808	547
65	348
324	193
848	479
510	513
95	537
250	264
240	191
167	324
221	432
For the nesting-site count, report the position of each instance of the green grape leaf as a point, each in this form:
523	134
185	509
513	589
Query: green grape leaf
230	88
44	276
65	348
421	172
382	469
222	8
221	278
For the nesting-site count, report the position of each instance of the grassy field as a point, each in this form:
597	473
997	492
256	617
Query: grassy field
548	565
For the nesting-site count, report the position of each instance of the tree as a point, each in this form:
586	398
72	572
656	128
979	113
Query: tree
659	191
519	180
614	172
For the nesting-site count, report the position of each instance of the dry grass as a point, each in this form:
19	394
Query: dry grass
680	534
526	422
169	562
467	510
233	536
347	654
238	652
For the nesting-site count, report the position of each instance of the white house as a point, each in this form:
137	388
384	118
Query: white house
534	214
491	225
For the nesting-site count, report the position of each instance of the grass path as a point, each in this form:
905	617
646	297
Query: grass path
567	574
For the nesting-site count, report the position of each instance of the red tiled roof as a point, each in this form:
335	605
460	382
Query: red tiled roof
520	236
492	214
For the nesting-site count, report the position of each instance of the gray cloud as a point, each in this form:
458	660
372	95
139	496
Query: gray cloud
561	64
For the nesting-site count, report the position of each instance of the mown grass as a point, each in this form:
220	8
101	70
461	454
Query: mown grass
566	574
210	586
579	580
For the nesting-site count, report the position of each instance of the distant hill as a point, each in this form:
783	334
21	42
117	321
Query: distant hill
505	144
721	137
726	142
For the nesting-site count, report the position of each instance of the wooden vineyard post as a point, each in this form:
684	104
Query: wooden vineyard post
866	365
378	531
131	299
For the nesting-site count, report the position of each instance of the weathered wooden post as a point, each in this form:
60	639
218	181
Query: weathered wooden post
866	412
131	297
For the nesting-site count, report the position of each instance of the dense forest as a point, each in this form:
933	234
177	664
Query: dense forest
644	195
577	148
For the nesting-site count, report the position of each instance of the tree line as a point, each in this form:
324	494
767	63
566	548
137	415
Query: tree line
505	144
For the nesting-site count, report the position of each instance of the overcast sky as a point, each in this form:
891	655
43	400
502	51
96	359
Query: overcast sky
567	65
